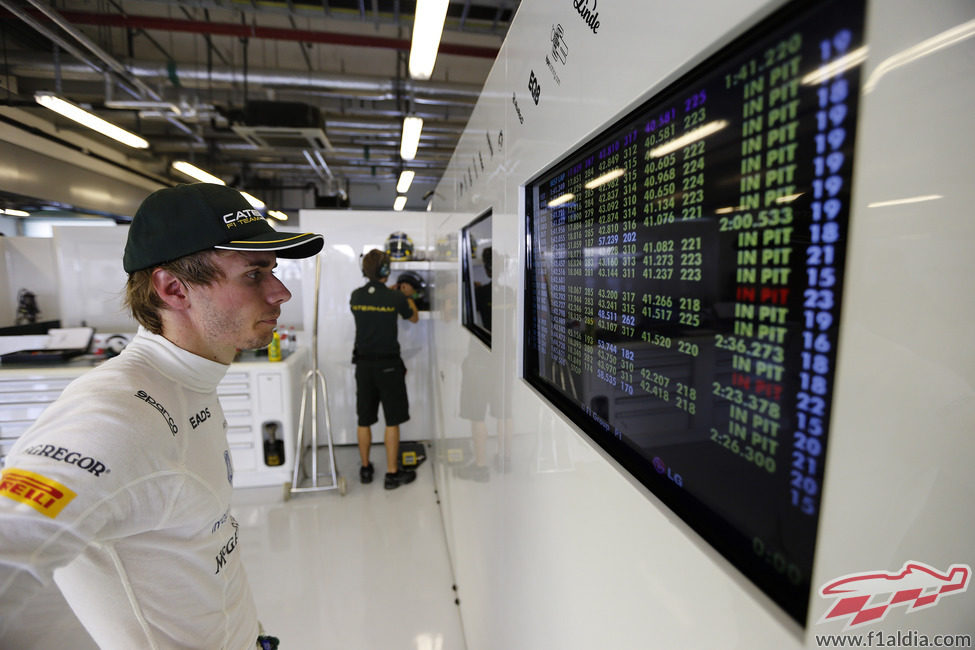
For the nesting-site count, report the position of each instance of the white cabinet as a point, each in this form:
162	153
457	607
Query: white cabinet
260	400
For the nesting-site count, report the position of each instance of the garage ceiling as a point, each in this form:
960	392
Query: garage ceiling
260	94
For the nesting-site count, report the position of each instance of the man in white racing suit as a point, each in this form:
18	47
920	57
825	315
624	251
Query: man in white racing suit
120	491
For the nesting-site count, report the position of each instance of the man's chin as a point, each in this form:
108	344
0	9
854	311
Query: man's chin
259	342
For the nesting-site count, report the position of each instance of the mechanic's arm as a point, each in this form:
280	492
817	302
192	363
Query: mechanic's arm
407	290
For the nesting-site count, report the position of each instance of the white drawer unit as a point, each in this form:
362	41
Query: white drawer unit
25	393
260	400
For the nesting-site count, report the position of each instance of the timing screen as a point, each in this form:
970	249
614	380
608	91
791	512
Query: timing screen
683	286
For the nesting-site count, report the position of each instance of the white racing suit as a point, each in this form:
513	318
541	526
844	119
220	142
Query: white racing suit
123	485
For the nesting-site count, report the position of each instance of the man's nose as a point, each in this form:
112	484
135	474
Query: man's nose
278	293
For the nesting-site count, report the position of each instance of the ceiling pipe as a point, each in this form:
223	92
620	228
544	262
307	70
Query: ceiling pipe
114	65
256	31
321	9
83	40
51	36
27	66
433	156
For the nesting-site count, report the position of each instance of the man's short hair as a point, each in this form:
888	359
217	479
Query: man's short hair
375	265
198	269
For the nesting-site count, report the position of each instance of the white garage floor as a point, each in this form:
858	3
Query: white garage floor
364	571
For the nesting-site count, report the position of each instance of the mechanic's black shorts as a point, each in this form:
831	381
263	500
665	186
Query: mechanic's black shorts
381	382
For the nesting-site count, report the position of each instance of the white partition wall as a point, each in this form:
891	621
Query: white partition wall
91	278
558	547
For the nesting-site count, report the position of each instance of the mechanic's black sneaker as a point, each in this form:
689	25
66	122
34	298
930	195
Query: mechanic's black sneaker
401	477
365	473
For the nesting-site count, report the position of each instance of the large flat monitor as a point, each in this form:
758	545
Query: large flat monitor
684	274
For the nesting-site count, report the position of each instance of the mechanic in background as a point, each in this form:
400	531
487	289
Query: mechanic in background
380	375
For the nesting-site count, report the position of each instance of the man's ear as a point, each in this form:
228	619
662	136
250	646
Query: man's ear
170	289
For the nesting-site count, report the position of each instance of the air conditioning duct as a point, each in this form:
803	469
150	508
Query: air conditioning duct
277	125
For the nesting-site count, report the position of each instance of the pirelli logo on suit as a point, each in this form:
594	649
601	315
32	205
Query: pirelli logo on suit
44	495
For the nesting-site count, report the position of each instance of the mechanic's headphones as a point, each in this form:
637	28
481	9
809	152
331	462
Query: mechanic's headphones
384	266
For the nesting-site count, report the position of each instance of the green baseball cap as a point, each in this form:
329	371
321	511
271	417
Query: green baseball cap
185	219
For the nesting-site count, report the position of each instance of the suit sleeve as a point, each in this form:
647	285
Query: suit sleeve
61	491
40	531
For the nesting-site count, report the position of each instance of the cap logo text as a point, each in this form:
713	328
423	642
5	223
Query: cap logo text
231	219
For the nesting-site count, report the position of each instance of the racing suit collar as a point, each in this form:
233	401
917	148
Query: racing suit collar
179	365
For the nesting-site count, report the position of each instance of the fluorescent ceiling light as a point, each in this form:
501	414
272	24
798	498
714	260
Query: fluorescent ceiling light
277	214
559	200
411	137
10	212
255	202
92	121
405	180
139	105
195	172
911	199
399	203
611	175
427	29
839	66
689	137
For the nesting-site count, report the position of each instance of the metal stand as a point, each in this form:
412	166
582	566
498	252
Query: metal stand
312	384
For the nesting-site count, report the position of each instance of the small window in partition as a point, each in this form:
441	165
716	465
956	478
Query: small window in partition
475	255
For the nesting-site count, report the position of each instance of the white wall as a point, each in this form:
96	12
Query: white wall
8	302
77	276
29	264
561	549
8	226
90	277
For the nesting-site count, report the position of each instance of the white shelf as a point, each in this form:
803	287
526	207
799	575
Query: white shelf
425	265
